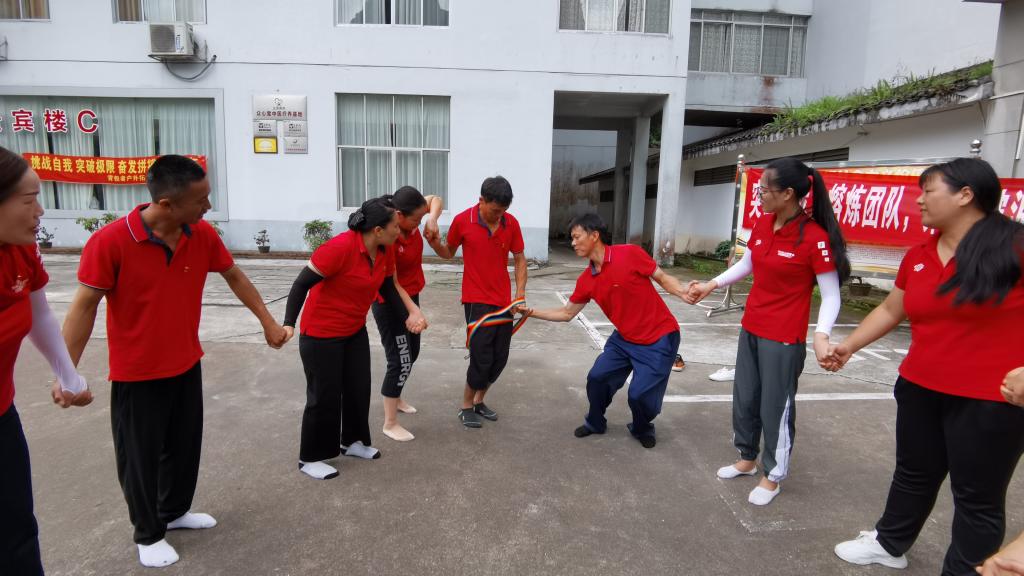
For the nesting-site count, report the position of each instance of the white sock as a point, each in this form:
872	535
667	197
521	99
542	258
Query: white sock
157	555
318	470
763	496
359	450
190	521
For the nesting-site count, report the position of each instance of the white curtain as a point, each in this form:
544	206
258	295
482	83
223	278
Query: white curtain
774	60
747	52
10	9
378	173
129	11
126	130
351	125
600	14
630	17
186	126
435	121
23	141
694	63
158	10
353	176
435	12
190	10
407	169
656	16
374	12
570	15
74	143
350	11
379	110
408	124
435	174
715	43
796	57
408	12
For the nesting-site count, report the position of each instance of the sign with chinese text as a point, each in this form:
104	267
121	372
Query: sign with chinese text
278	107
94	170
51	120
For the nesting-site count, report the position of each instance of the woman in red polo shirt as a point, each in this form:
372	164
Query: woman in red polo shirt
401	342
963	293
789	251
343	278
24	312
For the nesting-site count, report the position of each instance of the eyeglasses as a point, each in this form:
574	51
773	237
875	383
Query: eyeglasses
760	191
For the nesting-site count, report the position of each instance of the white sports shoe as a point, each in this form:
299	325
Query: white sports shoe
866	550
724	375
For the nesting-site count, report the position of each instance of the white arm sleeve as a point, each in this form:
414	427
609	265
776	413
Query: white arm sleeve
828	284
45	334
737	272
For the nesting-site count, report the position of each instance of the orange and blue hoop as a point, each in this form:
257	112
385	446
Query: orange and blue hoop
492	319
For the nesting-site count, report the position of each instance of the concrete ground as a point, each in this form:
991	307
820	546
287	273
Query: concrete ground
520	496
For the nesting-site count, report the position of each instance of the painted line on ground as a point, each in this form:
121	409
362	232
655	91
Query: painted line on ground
726	325
594	333
825	396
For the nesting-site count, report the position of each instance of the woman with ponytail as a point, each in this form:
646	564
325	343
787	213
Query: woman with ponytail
788	252
963	293
343	278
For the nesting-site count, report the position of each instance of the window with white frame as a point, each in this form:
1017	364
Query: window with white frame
647	16
160	11
389	141
769	44
404	12
24	10
87	128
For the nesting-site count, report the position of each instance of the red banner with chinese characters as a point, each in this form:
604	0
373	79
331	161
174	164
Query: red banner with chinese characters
93	169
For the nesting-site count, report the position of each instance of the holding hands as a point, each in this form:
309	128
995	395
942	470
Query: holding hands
277	335
65	396
416	323
697	291
430	230
1013	386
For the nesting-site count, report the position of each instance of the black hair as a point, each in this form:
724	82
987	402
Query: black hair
498	190
988	258
12	170
171	175
792	173
591	222
373	213
408	200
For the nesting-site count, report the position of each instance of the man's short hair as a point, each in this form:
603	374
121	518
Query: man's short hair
497	190
171	175
591	222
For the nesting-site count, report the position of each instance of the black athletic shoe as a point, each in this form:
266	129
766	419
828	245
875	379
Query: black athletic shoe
486	412
470	419
582	432
648	441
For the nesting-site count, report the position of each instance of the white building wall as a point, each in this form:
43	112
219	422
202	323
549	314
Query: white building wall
499	63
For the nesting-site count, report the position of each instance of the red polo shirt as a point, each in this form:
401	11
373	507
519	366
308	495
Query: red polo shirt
779	303
409	262
485	277
625	294
961	350
154	296
21	273
337	306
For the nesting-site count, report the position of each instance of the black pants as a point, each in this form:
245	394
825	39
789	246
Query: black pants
400	346
976	442
19	533
488	350
337	394
158	438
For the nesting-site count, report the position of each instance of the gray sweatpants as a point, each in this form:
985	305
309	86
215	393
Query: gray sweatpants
763	400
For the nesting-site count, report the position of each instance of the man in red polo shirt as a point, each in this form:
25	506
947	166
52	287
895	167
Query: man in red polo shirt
151	266
487	233
646	335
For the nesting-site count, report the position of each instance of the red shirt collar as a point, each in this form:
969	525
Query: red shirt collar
140	231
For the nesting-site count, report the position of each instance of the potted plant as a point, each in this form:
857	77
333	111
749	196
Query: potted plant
44	237
217	228
316	232
262	241
91	225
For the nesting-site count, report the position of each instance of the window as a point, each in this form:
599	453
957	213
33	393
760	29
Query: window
125	127
649	16
386	142
24	10
770	44
160	11
404	12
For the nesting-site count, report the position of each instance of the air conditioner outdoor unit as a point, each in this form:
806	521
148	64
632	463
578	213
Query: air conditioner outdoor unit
172	41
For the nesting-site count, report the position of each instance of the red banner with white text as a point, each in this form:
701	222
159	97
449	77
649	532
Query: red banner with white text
94	170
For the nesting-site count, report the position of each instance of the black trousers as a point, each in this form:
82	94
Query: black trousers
19	533
488	350
977	443
401	347
337	394
158	439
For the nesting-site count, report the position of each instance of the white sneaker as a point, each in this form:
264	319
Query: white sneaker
866	550
724	375
731	471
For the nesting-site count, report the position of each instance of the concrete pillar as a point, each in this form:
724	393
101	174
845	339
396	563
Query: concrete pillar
669	172
620	206
1003	143
638	180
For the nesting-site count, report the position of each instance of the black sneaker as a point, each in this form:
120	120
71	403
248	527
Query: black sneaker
486	412
648	441
469	418
582	432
